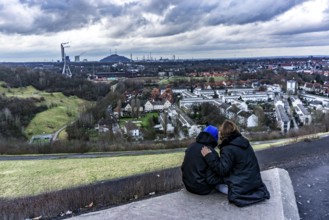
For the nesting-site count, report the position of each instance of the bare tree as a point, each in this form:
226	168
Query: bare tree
259	112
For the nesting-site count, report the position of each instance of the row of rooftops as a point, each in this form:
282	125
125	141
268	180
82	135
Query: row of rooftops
303	109
281	114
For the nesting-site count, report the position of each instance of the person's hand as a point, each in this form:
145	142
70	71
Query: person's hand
205	150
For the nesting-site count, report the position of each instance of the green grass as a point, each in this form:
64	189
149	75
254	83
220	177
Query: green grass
62	135
219	78
23	178
144	121
62	109
166	81
54	118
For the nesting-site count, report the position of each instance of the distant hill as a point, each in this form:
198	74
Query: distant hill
114	58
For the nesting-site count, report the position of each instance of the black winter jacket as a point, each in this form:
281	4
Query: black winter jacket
197	176
239	167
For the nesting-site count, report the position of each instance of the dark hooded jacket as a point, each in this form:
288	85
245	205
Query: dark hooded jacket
197	176
239	167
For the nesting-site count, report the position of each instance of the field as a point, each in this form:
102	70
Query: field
22	178
61	109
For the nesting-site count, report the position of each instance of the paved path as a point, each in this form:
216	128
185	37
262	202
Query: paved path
308	166
183	205
121	153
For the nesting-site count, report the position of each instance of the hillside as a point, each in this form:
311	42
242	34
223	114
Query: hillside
60	110
114	58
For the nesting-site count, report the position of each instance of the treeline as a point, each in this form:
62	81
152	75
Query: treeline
16	114
53	82
83	127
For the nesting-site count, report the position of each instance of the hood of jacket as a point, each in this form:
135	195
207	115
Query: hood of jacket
237	140
206	139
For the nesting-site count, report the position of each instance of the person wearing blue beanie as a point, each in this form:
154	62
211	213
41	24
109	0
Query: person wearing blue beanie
197	176
213	131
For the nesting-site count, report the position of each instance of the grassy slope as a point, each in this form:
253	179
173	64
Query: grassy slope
63	109
20	178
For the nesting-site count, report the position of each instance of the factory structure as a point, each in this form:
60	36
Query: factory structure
65	60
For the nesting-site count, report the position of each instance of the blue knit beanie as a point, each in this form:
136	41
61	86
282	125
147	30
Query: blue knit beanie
213	131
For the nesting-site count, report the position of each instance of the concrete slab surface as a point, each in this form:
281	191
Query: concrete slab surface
184	205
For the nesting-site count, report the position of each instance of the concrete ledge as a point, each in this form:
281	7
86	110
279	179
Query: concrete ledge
184	205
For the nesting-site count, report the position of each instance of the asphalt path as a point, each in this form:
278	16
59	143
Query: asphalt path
308	167
116	153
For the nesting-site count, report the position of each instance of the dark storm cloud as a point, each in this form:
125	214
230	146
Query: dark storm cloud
159	7
229	12
187	15
174	16
60	15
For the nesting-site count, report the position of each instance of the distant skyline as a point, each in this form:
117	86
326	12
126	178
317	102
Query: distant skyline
32	30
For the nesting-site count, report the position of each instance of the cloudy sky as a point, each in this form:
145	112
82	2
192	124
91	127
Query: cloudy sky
32	30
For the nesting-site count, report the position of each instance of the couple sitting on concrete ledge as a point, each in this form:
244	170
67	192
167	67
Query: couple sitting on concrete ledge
235	172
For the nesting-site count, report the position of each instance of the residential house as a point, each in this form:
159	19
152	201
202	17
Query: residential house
316	105
148	106
230	98
303	114
247	119
105	124
282	118
223	108
310	98
312	87
295	101
127	107
166	122
240	104
188	102
188	94
133	107
237	91
131	129
232	113
256	97
157	105
278	101
274	88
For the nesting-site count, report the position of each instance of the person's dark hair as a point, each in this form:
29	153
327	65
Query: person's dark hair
227	129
